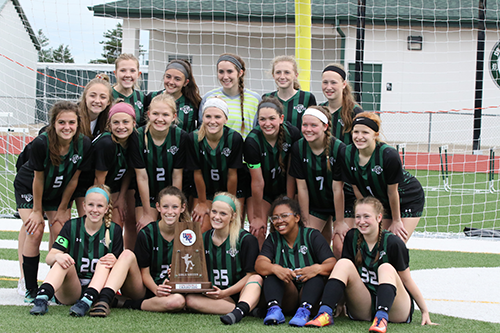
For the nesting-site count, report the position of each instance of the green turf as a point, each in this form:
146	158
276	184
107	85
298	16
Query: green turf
426	259
11	254
13	235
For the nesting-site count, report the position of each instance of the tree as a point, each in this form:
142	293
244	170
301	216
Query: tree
49	54
112	46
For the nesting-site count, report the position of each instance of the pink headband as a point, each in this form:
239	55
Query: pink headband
122	107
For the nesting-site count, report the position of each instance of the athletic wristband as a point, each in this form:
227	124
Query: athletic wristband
253	166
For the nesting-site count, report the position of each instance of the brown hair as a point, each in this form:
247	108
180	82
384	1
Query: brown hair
191	91
174	191
54	145
102	119
328	132
282	58
281	131
241	86
378	208
290	203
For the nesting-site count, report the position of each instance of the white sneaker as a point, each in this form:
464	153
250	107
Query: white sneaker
21	287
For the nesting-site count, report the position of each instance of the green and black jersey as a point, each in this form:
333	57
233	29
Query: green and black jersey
226	265
294	107
338	124
57	178
187	111
111	157
313	168
215	163
86	249
391	249
153	251
258	152
384	168
136	99
309	248
159	161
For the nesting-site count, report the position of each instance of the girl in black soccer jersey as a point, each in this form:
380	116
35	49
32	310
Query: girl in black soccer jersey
374	169
85	245
46	183
373	275
158	156
127	82
215	155
295	101
142	275
112	169
179	82
316	166
267	151
230	254
295	261
96	100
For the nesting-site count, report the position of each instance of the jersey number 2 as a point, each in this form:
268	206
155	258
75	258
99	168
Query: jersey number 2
220	277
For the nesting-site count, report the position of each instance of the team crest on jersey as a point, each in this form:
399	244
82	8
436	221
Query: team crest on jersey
186	109
232	252
303	249
306	160
187	237
381	255
226	152
173	150
341	122
332	160
103	241
377	169
299	108
75	158
28	197
286	146
139	104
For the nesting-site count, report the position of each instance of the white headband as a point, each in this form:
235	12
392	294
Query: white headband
316	113
216	103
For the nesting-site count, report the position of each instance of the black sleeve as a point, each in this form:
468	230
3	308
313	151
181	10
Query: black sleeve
296	163
347	251
336	167
192	159
38	153
134	153
180	157
294	132
269	247
249	252
117	241
63	240
147	101
252	151
321	248
357	110
104	153
88	155
312	100
398	253
142	250
393	169
235	160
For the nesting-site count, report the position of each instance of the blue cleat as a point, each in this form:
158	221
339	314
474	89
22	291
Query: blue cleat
301	317
274	316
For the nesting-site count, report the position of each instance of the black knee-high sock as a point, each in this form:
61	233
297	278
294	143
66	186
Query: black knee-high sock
312	289
334	290
90	295
274	289
107	295
386	293
30	269
131	304
46	290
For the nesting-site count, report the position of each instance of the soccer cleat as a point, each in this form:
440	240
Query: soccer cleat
274	316
379	325
321	320
301	317
41	307
30	295
79	309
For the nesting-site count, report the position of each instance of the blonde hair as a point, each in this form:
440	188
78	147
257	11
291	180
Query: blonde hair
202	132
128	56
282	58
102	119
108	216
170	102
235	224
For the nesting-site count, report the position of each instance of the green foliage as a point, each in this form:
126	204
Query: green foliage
112	46
61	54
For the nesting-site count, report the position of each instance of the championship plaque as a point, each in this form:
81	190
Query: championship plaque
188	270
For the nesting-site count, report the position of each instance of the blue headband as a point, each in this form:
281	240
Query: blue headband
226	199
98	190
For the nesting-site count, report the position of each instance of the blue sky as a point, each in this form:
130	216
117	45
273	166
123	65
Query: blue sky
71	23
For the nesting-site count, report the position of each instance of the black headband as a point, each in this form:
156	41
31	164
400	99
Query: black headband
367	122
231	59
335	69
270	105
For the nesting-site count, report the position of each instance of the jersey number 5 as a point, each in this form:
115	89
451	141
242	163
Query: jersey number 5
220	277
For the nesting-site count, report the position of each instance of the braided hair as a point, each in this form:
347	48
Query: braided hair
241	86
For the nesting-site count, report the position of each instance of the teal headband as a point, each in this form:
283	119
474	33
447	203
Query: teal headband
226	199
98	190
